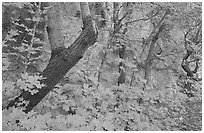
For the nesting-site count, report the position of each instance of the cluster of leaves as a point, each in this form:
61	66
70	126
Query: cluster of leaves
85	107
23	46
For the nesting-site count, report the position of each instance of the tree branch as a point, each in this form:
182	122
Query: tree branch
142	19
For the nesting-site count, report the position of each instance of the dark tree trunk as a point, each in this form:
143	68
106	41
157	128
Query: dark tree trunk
59	65
116	33
185	63
151	55
121	78
149	59
153	38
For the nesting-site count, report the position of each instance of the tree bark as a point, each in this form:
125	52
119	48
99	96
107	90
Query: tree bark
117	12
149	59
54	28
100	10
185	63
122	74
61	63
122	49
153	38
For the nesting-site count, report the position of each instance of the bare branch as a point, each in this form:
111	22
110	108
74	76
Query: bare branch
123	17
197	66
143	19
118	10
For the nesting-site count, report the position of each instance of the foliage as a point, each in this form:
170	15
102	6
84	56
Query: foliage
89	98
23	47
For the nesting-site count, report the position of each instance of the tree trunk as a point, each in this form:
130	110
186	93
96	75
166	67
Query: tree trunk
61	63
149	59
185	63
54	28
153	38
122	49
122	74
100	10
116	33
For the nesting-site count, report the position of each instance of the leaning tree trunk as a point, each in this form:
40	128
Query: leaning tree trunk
153	38
62	61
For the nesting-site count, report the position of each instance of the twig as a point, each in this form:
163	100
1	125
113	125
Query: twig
123	17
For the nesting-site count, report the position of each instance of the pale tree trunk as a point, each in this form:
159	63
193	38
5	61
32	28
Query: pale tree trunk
105	35
101	12
54	28
84	10
62	61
